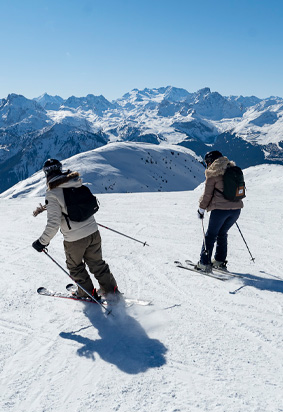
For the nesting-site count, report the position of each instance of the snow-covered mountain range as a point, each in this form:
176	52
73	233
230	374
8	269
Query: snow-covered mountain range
247	129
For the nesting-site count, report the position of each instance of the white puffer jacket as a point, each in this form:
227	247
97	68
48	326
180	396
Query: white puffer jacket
56	206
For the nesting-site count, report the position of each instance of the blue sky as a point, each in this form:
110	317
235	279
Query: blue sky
109	47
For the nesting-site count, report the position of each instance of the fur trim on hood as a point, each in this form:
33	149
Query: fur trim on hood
218	167
62	178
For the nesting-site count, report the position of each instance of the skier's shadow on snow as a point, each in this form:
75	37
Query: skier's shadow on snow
272	285
123	342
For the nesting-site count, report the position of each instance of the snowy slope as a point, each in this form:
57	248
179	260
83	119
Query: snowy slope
203	346
126	167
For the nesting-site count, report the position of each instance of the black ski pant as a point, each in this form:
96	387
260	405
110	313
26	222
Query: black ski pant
220	222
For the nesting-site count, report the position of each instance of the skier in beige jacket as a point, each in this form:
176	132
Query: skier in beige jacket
224	213
82	241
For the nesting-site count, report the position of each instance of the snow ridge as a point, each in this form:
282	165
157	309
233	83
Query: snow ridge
125	168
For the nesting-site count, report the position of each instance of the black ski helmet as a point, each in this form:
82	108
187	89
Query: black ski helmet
52	165
211	156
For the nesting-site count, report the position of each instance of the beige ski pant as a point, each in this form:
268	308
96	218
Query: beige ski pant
88	251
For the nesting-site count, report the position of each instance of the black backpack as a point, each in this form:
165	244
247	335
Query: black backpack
80	204
234	184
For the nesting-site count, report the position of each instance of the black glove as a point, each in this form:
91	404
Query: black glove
38	246
201	213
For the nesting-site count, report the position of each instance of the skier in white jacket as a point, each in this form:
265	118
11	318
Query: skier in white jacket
82	241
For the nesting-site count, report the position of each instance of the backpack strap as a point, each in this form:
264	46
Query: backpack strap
217	190
67	220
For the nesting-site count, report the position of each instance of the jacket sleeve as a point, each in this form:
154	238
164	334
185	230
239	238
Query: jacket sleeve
208	193
54	214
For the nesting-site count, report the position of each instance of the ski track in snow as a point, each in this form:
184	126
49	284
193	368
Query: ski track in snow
204	345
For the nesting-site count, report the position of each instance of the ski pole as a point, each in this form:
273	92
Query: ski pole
41	209
105	227
53	260
204	242
252	258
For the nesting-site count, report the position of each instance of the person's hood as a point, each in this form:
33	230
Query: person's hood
67	179
218	167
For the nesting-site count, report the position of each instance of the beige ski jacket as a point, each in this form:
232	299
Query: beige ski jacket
211	198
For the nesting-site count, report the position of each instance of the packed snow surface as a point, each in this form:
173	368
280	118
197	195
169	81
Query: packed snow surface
204	345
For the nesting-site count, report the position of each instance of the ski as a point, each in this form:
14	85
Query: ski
102	302
201	272
224	271
129	301
47	292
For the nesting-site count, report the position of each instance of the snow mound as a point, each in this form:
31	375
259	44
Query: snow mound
125	167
